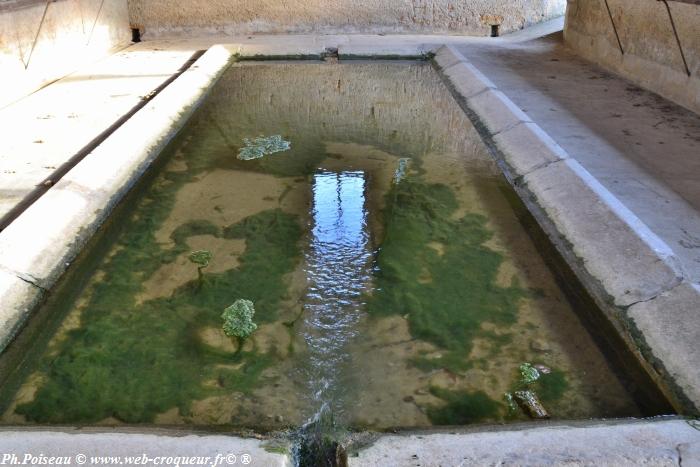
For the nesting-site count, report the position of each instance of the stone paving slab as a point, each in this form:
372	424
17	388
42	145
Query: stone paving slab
670	327
46	128
650	443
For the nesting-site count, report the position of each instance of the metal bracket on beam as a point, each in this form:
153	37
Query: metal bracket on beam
612	21
675	32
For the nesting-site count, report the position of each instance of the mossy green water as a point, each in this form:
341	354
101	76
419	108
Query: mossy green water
445	295
131	360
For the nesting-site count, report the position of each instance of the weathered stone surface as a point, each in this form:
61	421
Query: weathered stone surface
615	247
446	56
60	45
496	111
42	241
670	324
657	443
651	54
163	445
17	299
161	18
526	147
467	80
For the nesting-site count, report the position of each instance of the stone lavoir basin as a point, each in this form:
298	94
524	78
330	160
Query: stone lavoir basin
396	278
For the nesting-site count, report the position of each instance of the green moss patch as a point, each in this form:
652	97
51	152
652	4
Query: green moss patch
132	361
445	295
462	407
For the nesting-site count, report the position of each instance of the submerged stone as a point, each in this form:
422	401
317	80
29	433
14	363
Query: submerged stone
531	404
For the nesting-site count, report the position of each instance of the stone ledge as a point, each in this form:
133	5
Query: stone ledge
631	443
42	242
526	147
465	77
670	324
18	298
496	112
446	56
615	247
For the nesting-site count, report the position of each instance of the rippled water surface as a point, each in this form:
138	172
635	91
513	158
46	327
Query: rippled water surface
392	281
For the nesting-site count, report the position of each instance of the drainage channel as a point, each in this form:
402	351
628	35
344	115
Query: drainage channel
62	170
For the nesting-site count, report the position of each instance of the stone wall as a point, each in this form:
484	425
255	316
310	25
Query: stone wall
161	18
651	55
35	52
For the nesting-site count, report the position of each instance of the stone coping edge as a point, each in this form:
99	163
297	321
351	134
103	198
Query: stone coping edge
627	442
631	273
38	246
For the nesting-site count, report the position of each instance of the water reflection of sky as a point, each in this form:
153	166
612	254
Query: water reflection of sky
338	263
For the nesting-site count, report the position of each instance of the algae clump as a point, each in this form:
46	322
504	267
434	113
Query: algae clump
238	320
462	407
261	146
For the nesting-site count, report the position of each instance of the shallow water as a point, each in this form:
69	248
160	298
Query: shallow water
392	280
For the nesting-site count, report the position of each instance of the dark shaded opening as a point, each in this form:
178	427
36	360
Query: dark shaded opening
135	35
495	30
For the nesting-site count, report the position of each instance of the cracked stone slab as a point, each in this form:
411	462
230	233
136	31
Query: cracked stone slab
615	247
670	324
526	147
17	300
657	443
496	111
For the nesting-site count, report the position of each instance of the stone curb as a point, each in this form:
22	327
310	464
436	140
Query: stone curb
670	326
630	443
41	243
617	257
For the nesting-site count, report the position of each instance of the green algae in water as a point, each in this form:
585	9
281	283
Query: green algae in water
133	361
445	296
551	386
462	407
262	146
528	373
